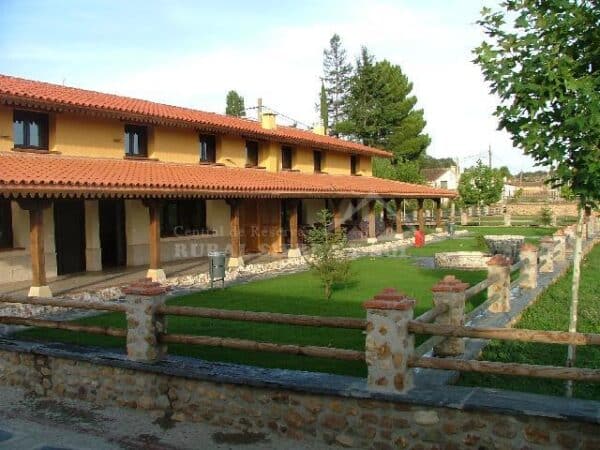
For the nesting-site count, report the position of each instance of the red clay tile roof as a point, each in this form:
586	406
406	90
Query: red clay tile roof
14	89
26	174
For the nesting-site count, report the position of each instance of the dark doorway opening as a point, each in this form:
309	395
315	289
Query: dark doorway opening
112	233
69	236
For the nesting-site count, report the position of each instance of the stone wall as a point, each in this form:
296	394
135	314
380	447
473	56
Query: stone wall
461	260
535	209
343	420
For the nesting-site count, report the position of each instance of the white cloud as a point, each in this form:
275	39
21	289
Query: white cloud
283	66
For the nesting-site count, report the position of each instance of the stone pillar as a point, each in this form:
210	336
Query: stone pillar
144	325
388	345
372	237
560	253
507	219
155	271
499	291
386	219
464	217
93	250
235	258
452	211
421	215
570	234
399	219
294	251
450	291
547	246
553	219
529	272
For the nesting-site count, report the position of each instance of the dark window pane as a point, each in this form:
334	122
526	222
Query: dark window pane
183	217
6	237
286	158
353	164
317	158
135	140
19	132
30	129
252	153
208	148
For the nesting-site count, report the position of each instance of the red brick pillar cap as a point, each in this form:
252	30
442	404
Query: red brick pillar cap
499	260
450	284
528	247
390	298
146	288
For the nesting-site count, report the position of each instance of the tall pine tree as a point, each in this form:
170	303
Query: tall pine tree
235	105
324	107
337	73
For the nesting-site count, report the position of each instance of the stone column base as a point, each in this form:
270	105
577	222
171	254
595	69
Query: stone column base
372	240
156	275
235	262
399	236
93	259
294	253
40	291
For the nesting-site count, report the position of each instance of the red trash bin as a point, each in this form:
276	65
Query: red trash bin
419	238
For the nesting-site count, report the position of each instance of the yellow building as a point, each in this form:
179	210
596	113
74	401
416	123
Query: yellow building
91	181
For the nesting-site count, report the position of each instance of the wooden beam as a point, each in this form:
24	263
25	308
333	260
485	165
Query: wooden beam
421	214
337	214
154	212
386	218
234	225
372	230
36	247
292	206
399	215
438	213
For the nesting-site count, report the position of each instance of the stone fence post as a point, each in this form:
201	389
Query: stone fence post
388	344
560	252
507	219
547	246
570	234
144	325
450	291
464	217
499	290
529	272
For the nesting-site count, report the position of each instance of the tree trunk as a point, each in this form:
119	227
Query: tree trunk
575	293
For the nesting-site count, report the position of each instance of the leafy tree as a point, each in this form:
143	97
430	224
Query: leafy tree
542	58
323	107
429	162
505	172
327	252
235	105
381	111
480	186
545	216
336	77
409	171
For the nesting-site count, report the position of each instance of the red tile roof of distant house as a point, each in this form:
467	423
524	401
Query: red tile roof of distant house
21	91
48	175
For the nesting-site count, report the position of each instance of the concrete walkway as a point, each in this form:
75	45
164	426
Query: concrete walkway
93	281
28	423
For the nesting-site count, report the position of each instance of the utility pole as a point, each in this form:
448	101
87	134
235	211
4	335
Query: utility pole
490	155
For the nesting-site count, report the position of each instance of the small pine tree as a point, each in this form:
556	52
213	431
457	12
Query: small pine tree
327	256
235	105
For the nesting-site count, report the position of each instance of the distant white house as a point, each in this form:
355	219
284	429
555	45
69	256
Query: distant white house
444	177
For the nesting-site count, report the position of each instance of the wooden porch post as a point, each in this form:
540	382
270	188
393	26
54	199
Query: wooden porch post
155	272
421	215
438	213
372	237
294	250
39	284
236	259
399	218
386	218
337	214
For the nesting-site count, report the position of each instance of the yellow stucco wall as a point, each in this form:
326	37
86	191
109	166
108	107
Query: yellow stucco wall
86	136
303	159
365	166
231	151
6	117
217	217
337	163
175	144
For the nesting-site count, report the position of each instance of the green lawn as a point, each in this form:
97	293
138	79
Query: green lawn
293	294
551	312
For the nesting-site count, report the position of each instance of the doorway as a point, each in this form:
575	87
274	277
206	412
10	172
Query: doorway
69	236
112	233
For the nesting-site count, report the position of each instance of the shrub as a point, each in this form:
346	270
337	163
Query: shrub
545	218
327	256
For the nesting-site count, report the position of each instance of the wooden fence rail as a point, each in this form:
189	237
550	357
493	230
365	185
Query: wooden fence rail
67	326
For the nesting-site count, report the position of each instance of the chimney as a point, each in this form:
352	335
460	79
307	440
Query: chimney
268	121
319	128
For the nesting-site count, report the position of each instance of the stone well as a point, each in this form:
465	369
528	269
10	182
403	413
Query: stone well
462	260
507	245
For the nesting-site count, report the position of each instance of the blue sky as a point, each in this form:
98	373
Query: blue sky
191	53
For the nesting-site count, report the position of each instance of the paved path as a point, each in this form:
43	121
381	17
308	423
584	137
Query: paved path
28	423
